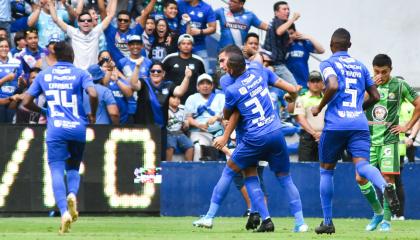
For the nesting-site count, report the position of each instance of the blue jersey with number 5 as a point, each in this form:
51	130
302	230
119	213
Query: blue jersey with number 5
345	111
249	94
63	85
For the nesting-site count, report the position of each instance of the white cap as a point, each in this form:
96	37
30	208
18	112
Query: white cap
204	76
185	37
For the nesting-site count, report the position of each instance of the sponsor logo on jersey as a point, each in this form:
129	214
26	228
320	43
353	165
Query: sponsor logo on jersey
236	25
379	113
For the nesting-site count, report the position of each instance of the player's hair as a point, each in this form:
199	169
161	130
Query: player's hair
85	12
277	5
292	27
64	52
123	12
251	34
31	30
382	60
231	49
35	69
169	2
236	62
341	39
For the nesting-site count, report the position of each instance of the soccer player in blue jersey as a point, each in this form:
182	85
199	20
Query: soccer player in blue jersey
346	126
262	139
63	85
235	22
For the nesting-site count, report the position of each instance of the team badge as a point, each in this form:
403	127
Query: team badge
379	113
165	91
200	14
48	77
391	96
191	66
243	90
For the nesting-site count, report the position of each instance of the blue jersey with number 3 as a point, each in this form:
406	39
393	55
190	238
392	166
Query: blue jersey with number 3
249	94
345	111
63	85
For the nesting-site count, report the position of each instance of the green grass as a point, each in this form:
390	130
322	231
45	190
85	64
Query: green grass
139	228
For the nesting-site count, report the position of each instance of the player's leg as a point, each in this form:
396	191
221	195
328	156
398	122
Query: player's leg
331	147
76	150
368	190
57	154
280	165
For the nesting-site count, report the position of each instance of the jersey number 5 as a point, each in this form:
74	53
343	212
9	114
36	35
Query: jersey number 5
352	92
60	99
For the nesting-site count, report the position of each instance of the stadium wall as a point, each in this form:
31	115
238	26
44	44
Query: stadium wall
187	187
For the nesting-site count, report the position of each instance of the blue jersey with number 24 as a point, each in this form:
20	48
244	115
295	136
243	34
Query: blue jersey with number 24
345	110
63	85
249	94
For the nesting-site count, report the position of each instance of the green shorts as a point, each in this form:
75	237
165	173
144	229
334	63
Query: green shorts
386	158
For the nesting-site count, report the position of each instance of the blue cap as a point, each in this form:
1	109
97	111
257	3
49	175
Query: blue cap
134	38
53	38
96	72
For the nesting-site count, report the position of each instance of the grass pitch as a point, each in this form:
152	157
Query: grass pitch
124	228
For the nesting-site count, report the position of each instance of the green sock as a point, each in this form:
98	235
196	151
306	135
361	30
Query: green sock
370	194
387	210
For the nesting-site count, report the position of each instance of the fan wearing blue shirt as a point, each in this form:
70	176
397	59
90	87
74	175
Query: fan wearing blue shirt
107	111
346	127
63	85
198	20
235	22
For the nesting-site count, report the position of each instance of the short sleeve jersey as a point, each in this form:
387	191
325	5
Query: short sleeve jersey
47	27
7	89
385	113
200	15
105	98
250	95
235	26
297	60
122	101
344	111
63	85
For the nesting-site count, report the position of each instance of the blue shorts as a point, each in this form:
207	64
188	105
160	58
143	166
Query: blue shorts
333	143
271	147
180	140
64	150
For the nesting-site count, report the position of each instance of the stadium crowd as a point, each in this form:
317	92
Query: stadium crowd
149	62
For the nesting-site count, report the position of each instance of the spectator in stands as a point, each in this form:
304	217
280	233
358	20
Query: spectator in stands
235	23
85	39
49	59
25	22
5	15
147	36
45	23
198	20
311	126
164	42
177	124
204	114
20	44
175	63
117	38
117	83
135	45
32	53
170	14
10	70
277	39
300	47
4	34
107	110
95	21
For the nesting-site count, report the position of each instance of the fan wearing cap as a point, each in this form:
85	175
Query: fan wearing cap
85	39
175	63
311	126
107	110
49	59
136	47
204	114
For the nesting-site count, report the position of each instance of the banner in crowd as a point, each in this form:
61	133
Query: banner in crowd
119	173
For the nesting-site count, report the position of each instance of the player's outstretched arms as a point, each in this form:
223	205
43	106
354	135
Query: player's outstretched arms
373	97
331	89
221	141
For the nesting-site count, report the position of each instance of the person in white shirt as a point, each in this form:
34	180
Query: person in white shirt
85	39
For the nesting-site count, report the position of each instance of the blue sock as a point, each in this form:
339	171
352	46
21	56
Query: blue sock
295	204
326	189
220	191
73	181
256	196
371	173
59	187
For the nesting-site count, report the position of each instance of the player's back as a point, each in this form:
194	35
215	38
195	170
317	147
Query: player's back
63	85
249	94
345	111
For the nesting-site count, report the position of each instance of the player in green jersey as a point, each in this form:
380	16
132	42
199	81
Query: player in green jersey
383	119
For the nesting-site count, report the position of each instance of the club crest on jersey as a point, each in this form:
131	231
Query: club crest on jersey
391	96
48	77
191	66
379	113
200	14
243	90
